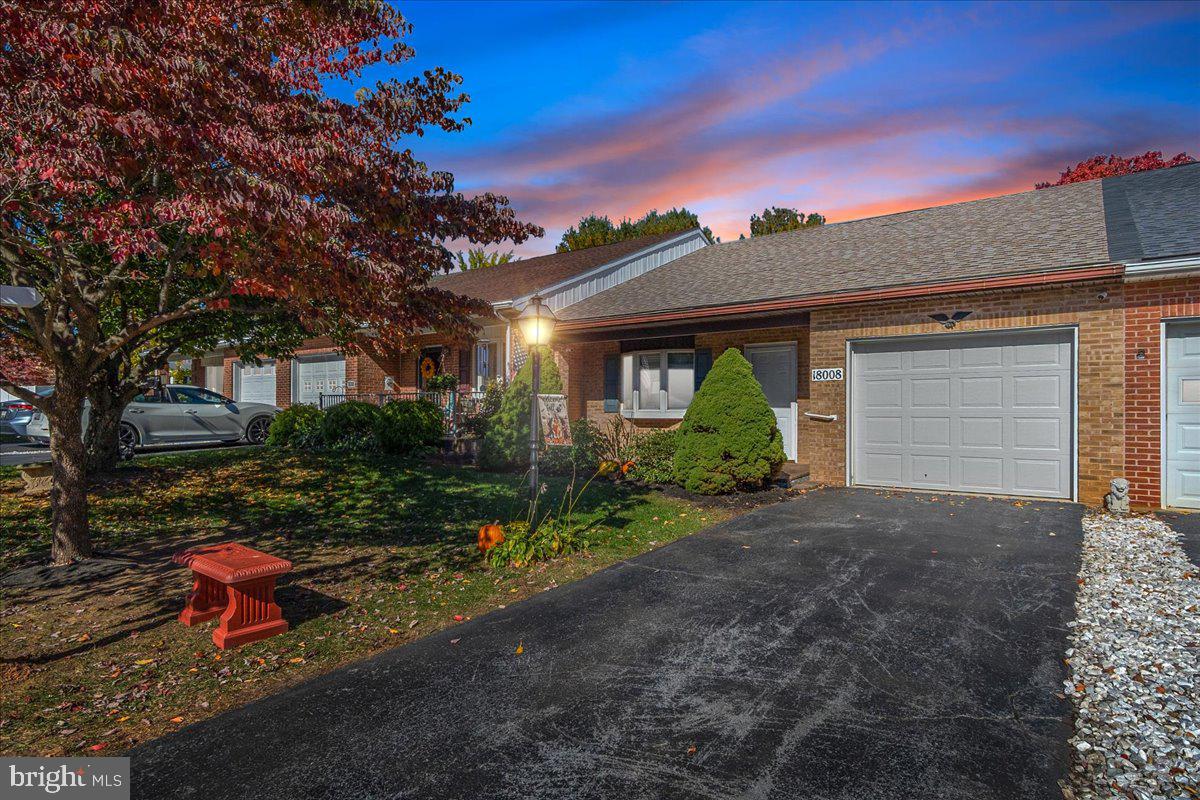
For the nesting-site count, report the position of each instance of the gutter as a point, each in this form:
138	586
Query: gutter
848	298
1162	268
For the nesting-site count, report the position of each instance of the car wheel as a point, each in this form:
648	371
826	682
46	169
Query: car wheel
127	440
256	431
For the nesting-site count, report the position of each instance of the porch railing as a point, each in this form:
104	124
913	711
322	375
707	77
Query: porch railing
456	406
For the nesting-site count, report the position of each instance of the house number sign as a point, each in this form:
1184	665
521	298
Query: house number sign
831	374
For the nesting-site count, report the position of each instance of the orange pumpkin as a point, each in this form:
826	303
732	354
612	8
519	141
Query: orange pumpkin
490	536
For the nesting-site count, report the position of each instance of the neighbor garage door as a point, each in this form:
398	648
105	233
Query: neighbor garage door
983	412
315	376
254	384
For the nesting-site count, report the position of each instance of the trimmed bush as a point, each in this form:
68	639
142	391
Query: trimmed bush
728	440
350	426
297	427
403	426
506	442
581	458
653	456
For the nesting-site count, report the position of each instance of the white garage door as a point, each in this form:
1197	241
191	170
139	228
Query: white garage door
1182	400
984	412
253	384
317	376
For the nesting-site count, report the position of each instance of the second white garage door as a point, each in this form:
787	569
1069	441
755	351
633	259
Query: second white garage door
982	412
254	384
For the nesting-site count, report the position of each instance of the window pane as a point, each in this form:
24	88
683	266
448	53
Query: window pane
681	369
649	379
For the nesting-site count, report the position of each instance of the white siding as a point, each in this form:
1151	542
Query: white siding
584	286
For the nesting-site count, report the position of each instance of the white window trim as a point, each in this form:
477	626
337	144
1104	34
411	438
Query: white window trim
662	412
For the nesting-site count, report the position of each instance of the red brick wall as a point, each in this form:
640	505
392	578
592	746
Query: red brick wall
583	368
1101	423
1147	304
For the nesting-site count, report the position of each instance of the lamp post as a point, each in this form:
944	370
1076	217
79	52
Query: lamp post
536	322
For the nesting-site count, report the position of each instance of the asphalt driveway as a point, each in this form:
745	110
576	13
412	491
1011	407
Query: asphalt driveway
1187	525
847	644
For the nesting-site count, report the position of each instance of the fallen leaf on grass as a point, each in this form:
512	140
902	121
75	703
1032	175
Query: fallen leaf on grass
97	747
520	648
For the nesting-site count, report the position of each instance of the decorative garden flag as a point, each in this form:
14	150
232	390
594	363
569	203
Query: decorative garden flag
552	411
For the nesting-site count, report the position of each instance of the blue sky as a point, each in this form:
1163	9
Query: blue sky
848	109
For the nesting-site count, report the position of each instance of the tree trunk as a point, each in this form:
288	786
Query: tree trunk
102	436
68	497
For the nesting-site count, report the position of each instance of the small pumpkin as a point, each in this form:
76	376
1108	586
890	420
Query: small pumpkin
490	535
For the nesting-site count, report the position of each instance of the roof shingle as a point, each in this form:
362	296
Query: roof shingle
1034	231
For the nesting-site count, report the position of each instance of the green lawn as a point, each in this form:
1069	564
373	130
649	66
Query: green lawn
384	552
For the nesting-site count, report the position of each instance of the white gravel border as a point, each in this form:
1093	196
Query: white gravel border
1135	664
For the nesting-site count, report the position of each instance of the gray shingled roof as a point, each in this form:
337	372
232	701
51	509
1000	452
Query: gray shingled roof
1036	231
1153	214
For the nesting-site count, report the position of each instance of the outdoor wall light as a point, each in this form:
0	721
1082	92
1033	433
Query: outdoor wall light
950	320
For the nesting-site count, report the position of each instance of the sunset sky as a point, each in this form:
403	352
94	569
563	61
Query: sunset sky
851	110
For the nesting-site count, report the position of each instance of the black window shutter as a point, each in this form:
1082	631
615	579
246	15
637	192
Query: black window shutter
612	384
703	365
464	366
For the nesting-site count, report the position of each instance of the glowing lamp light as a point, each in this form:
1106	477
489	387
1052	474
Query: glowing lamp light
536	322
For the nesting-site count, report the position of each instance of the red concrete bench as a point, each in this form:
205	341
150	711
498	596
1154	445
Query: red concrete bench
238	583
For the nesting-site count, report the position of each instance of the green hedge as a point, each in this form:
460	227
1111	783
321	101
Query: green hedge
506	442
403	426
654	456
397	428
351	426
297	427
728	440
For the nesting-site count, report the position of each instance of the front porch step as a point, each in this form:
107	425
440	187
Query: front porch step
791	474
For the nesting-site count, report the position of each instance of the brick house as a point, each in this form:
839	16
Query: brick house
1037	344
320	368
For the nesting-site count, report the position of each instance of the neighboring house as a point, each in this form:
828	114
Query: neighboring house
319	368
1036	345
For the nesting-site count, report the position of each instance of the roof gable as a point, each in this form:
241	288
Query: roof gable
517	279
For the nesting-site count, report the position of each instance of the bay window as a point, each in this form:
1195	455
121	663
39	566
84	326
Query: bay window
658	383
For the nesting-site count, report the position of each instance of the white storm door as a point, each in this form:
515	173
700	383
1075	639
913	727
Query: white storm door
1181	399
775	369
980	412
253	384
318	376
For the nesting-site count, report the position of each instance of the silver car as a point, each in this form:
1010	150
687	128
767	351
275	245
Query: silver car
180	415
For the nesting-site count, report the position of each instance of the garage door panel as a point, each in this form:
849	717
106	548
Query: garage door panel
930	432
318	376
931	470
882	468
997	419
982	357
930	393
982	432
931	359
1037	433
882	393
881	362
1037	476
981	392
883	431
1037	391
982	474
1048	355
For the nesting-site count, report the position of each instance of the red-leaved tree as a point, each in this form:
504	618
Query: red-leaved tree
190	148
1109	166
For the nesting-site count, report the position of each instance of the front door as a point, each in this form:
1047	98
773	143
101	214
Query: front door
1182	403
775	369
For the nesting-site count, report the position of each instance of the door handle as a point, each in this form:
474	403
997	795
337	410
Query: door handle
137	411
190	411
